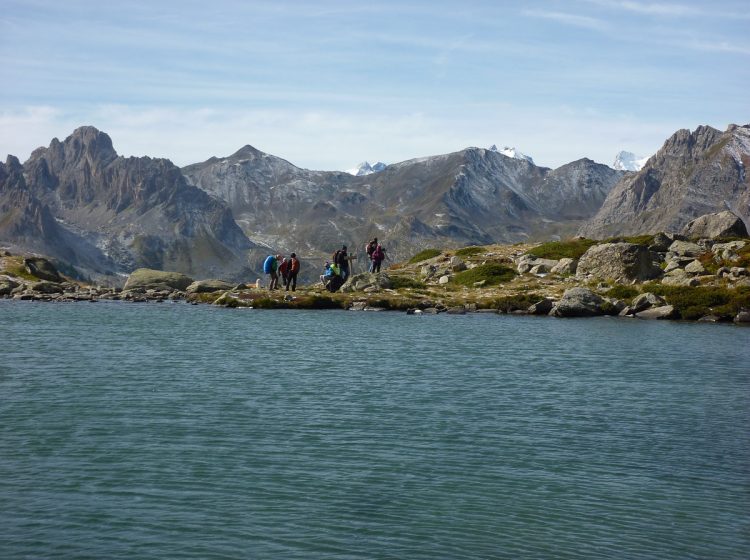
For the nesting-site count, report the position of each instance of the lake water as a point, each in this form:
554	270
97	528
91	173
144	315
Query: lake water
177	431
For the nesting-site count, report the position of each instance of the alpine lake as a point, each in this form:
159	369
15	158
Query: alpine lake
165	430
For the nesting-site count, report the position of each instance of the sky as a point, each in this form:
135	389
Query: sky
328	84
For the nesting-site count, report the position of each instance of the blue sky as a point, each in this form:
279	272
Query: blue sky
327	84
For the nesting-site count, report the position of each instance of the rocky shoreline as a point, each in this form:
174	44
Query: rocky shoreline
665	276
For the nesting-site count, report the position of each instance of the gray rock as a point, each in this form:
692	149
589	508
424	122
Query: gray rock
565	266
367	282
679	280
457	264
686	249
710	319
7	286
456	311
444	279
645	301
45	287
695	267
661	243
146	278
540	268
42	269
742	317
720	224
672	265
358	306
578	302
626	261
662	312
526	262
542	307
207	286
737	271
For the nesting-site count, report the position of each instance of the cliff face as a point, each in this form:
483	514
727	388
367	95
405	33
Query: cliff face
473	196
693	174
122	213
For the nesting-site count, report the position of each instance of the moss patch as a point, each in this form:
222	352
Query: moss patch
622	292
469	251
695	302
516	302
489	273
572	249
424	255
644	240
406	282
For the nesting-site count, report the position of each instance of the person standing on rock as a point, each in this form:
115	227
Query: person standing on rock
343	262
370	248
378	255
284	271
270	266
291	278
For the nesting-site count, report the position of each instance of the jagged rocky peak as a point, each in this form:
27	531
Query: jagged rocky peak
365	168
511	153
628	161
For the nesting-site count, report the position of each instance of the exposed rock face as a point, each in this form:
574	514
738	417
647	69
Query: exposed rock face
42	269
578	302
693	174
712	226
367	282
207	286
147	279
80	202
470	197
618	261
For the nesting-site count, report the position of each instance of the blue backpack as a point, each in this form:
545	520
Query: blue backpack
269	265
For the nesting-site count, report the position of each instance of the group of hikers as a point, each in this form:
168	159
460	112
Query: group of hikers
288	268
337	270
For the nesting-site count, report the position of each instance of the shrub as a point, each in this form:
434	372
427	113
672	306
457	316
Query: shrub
406	282
490	273
469	251
424	255
645	240
508	304
695	302
622	292
572	249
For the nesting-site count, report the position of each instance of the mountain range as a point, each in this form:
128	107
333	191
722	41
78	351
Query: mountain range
102	215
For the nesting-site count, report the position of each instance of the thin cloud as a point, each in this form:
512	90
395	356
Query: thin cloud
575	20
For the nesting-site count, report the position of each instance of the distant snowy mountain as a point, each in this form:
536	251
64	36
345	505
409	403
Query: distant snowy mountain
365	168
511	153
628	161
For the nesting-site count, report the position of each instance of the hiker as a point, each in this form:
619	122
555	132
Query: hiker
291	278
270	266
284	271
341	258
378	255
370	248
327	273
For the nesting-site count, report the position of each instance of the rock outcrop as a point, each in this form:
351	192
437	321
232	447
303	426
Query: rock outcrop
694	173
147	279
721	224
618	261
578	302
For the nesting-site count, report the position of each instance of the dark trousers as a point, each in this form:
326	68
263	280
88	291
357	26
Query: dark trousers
375	266
291	279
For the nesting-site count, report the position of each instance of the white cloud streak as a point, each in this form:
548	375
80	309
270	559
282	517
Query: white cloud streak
575	20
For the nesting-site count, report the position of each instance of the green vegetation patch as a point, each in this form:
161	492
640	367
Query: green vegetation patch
14	267
469	251
424	255
622	292
572	249
516	302
490	273
695	302
406	282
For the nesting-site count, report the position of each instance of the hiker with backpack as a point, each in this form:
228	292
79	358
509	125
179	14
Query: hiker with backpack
270	267
341	258
370	249
291	278
378	255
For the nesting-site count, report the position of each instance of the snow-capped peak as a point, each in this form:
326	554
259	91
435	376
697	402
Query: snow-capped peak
511	153
365	168
628	161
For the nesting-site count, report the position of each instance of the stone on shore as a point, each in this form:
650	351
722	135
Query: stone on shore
618	261
662	312
578	302
207	286
371	281
148	279
42	269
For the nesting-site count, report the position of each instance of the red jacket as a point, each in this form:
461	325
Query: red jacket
294	265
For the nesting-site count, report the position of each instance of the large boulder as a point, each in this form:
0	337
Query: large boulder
662	312
685	249
148	279
7	286
578	302
721	224
618	261
565	266
207	286
42	269
45	287
367	281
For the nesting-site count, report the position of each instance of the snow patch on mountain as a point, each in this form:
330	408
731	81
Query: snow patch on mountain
511	153
365	168
628	161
